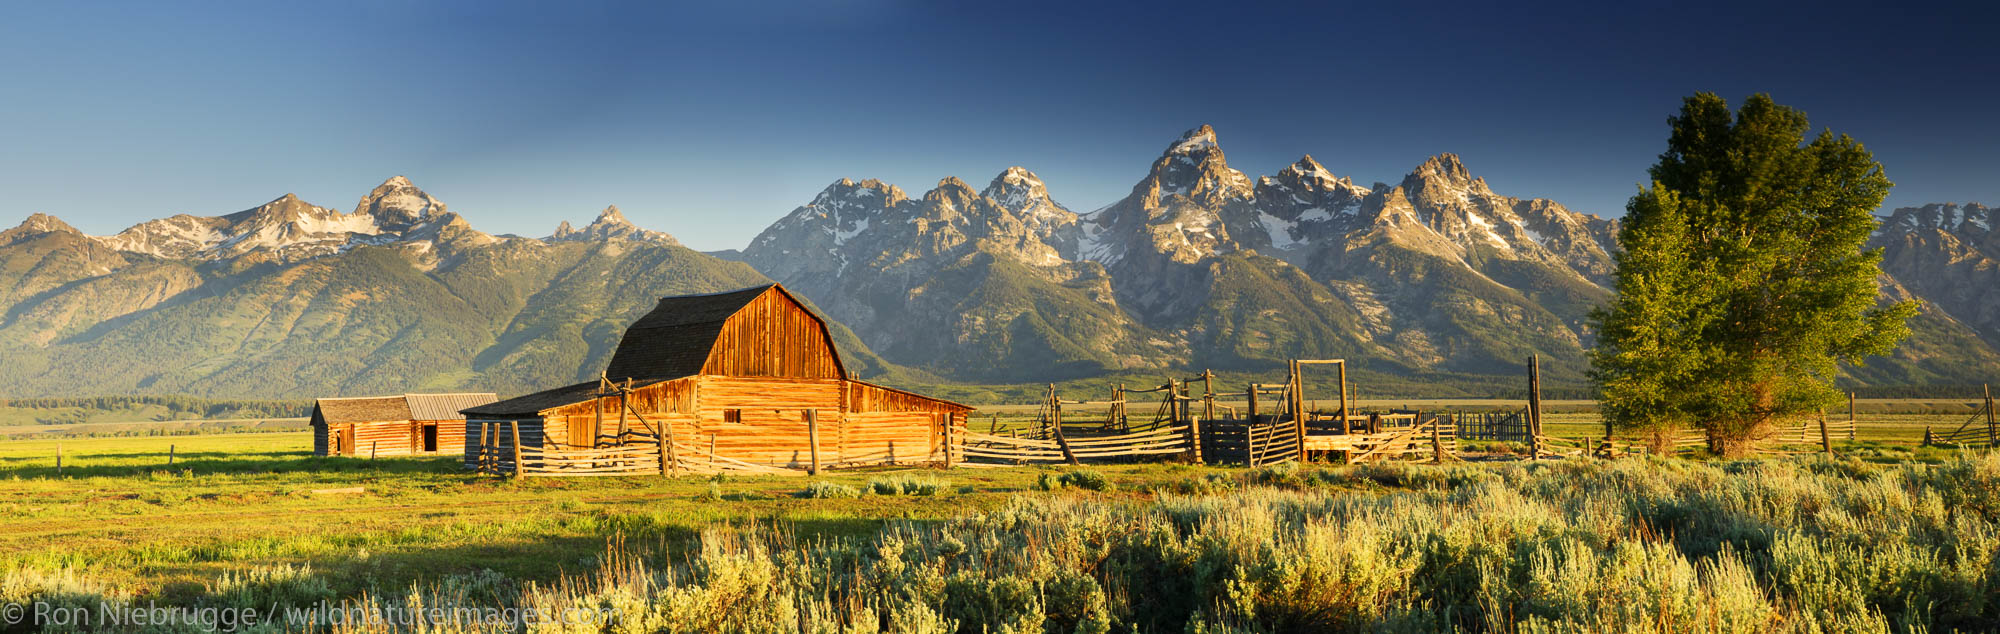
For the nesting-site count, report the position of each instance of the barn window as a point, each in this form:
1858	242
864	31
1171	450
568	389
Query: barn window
732	415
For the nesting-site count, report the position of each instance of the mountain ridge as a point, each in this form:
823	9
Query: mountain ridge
1199	265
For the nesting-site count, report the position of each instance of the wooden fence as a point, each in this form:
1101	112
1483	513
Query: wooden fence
991	450
627	454
1982	430
1499	426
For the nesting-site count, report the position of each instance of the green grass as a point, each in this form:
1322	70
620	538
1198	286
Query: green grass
1630	545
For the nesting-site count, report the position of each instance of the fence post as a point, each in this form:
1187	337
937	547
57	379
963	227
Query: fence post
58	458
170	456
949	438
1825	440
1927	436
371	448
1194	436
1345	427
519	467
1056	418
1992	431
1437	443
812	437
666	463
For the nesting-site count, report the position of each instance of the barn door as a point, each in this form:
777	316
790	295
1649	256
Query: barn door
346	441
430	438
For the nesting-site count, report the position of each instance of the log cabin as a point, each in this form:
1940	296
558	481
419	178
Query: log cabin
411	424
750	375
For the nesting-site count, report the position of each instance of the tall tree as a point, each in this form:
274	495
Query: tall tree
1742	283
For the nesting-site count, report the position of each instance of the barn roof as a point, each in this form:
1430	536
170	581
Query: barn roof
674	340
530	404
446	406
361	409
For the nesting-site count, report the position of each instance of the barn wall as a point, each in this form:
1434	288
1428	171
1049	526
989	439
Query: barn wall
650	401
862	397
772	428
531	436
887	437
773	336
320	442
451	435
382	438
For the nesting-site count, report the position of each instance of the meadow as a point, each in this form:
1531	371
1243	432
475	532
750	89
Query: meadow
1886	537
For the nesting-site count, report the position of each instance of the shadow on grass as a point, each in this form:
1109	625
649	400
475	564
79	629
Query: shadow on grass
222	463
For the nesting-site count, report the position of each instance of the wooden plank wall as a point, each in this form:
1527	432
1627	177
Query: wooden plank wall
772	430
773	336
320	442
381	439
531	436
859	424
451	435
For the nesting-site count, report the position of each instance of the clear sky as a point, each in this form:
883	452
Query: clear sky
710	120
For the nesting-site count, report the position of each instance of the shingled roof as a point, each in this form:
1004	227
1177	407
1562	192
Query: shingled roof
674	339
446	406
361	409
530	404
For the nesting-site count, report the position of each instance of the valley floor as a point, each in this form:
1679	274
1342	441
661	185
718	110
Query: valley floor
1889	536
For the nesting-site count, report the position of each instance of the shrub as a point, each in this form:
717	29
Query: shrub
905	484
829	490
1079	478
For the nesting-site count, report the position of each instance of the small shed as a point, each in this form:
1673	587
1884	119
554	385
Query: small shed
406	425
747	376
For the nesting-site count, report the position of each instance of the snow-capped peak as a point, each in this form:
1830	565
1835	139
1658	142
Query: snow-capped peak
611	216
1020	191
610	225
1193	141
397	203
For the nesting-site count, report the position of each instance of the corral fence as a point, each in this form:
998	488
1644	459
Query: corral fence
1981	430
1510	426
501	449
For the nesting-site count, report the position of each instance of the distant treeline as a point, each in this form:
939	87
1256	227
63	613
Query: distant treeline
1953	392
179	407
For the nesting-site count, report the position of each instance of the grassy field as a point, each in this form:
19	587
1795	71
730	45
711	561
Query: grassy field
1802	544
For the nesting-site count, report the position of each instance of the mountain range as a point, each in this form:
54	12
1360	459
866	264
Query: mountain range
1436	279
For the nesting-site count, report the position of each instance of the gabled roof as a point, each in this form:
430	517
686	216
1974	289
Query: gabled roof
445	406
530	404
674	340
362	409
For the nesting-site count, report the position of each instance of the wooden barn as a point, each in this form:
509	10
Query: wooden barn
411	424
746	377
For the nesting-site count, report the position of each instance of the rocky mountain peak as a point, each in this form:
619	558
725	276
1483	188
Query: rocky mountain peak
611	217
847	189
610	225
1017	189
953	194
1193	166
44	223
1968	218
1446	169
1022	192
1195	141
398	203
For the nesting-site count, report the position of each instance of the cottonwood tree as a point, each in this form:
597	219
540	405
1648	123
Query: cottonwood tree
1742	283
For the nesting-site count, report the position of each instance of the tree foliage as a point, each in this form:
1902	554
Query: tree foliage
1742	283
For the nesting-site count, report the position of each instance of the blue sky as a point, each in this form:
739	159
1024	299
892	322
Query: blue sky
710	120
